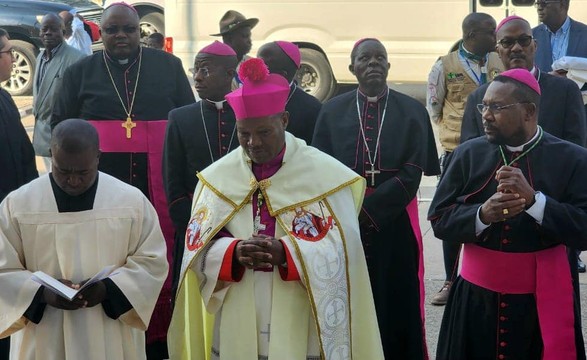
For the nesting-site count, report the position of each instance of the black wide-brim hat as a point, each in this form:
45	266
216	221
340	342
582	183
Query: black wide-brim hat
234	20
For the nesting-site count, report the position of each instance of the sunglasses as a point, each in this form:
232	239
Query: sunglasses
524	41
113	30
542	4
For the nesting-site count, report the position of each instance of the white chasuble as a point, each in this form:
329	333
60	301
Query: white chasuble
122	229
328	314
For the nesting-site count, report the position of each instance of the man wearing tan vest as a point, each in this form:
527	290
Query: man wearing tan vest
452	78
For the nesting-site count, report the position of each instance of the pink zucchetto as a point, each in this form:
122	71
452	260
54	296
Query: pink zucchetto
261	94
122	3
292	51
523	76
219	49
507	20
360	41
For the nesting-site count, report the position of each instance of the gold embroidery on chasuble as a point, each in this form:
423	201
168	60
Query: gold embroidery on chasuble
319	242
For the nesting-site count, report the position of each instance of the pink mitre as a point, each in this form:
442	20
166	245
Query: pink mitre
523	76
507	20
262	94
292	51
122	3
217	48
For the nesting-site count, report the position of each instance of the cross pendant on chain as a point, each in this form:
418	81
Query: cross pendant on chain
128	125
372	173
257	226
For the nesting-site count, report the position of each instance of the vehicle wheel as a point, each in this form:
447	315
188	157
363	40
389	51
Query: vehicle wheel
150	23
315	75
21	80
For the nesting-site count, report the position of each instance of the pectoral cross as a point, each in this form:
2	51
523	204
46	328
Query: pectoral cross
128	125
257	226
372	173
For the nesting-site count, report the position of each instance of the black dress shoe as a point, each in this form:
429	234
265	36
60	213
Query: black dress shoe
581	266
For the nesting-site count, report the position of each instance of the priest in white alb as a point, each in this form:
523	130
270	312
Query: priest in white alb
70	224
273	266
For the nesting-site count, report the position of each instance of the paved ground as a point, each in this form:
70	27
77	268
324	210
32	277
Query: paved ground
434	276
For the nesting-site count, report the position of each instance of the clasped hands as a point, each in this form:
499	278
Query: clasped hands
88	297
260	251
514	195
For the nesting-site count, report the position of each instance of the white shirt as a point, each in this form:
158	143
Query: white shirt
79	38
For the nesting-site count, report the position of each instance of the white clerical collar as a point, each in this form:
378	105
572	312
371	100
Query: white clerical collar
122	61
521	147
219	104
373	99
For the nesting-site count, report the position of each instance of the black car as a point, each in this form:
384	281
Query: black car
21	18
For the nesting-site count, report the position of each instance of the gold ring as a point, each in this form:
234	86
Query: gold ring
505	211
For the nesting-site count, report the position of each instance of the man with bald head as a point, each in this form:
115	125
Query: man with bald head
75	33
386	137
51	65
197	135
452	78
71	223
126	91
517	199
284	58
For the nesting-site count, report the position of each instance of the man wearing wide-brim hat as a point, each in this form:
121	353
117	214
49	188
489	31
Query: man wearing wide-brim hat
235	30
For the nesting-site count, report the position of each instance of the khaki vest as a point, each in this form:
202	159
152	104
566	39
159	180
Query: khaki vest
458	87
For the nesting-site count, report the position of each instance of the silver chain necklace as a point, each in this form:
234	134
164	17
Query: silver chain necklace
292	93
206	132
372	172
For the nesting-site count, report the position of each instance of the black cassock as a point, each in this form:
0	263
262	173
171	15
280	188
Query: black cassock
188	151
479	323
303	111
87	93
392	246
17	158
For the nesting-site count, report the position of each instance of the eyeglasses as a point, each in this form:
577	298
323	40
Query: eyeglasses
495	109
524	41
544	3
204	70
113	30
12	52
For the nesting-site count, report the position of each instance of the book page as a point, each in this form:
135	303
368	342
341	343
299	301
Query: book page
64	290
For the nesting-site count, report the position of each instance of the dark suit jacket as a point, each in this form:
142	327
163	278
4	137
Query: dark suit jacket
561	111
577	44
19	155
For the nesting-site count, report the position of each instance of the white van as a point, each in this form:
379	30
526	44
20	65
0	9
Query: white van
415	32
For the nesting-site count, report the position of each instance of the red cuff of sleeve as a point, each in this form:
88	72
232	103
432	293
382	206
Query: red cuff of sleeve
231	270
289	273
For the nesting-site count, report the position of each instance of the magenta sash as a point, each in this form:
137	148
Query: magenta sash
147	137
546	274
412	210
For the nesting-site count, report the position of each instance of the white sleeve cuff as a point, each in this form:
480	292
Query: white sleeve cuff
479	226
537	210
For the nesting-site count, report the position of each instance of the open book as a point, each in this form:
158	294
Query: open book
60	288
